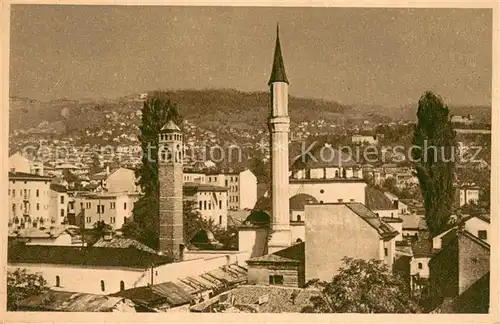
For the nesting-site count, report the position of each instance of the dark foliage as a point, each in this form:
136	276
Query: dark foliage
435	137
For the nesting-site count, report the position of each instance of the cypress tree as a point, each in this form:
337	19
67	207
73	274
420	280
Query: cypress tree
156	111
433	154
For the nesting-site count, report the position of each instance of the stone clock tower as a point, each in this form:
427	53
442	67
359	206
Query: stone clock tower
170	173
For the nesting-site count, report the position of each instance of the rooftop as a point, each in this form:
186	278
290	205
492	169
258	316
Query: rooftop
171	126
123	243
203	187
277	299
85	256
292	254
157	296
377	200
384	229
28	176
64	301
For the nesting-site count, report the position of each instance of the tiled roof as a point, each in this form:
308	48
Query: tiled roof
292	254
27	176
422	248
222	277
58	188
280	299
157	296
392	219
89	256
63	301
384	229
33	232
203	187
171	126
123	243
411	221
377	200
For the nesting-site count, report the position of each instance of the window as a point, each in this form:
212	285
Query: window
483	235
420	265
220	204
112	205
81	205
14	193
58	281
9	192
209	205
124	206
112	220
89	219
37	206
103	288
220	219
299	218
321	191
62	212
351	200
321	201
88	205
98	207
13	208
62	199
205	205
200	205
37	192
386	252
122	286
276	280
340	200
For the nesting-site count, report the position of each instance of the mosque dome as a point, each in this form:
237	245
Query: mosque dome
258	217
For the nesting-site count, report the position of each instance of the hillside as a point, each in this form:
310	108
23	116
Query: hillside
207	108
210	109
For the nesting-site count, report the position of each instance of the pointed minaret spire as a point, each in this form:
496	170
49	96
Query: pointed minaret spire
278	73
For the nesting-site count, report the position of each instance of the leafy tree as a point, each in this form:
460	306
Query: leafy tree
22	284
434	160
72	180
156	111
362	287
101	229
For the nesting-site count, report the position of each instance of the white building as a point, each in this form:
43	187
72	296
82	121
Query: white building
242	186
58	203
112	208
210	201
29	200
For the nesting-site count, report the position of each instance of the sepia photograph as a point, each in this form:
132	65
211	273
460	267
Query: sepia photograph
218	159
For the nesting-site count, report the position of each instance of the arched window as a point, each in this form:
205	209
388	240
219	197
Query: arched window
58	281
299	240
299	218
321	191
220	219
103	287
344	173
162	156
122	285
420	265
336	173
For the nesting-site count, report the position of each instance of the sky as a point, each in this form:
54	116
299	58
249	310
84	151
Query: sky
375	56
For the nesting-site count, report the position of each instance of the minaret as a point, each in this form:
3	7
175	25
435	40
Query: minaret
170	222
279	127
